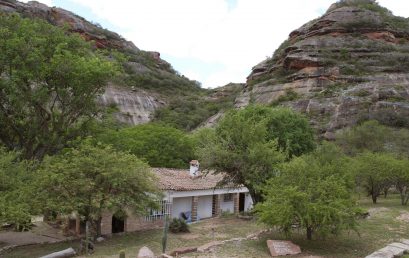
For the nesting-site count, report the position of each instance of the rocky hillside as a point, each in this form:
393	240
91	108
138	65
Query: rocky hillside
351	64
148	83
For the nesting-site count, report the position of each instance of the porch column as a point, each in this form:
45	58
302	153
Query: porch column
217	200
236	198
195	201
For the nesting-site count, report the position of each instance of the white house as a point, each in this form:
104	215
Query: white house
188	194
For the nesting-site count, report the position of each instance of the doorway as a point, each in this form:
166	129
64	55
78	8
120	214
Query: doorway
118	224
242	201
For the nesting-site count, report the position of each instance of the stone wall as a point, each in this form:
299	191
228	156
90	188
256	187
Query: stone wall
132	223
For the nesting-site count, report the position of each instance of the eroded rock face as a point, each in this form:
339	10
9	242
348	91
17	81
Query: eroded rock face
135	106
59	17
350	64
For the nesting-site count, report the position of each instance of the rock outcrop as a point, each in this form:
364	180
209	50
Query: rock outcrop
350	64
147	80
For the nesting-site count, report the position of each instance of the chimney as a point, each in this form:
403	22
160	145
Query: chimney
194	168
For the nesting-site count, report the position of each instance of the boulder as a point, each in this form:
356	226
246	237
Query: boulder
100	239
280	248
145	252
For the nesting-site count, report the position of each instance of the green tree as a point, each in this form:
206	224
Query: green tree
16	206
159	145
400	170
374	137
375	172
49	82
312	192
248	144
89	179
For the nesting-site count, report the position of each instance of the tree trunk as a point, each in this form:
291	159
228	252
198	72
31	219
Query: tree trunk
374	197
385	191
309	233
98	226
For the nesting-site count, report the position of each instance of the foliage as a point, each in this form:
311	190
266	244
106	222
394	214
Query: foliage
91	178
389	20
178	226
187	113
16	206
388	117
159	145
400	170
313	192
374	137
289	95
374	172
48	87
122	254
248	144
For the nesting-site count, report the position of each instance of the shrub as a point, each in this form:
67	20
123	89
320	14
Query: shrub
178	225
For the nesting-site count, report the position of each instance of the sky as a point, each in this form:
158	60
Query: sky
212	41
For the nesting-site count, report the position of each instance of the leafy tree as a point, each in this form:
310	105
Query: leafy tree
48	86
374	137
292	131
16	206
374	172
90	179
159	145
400	170
248	144
313	192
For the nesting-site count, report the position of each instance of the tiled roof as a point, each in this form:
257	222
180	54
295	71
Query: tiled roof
180	180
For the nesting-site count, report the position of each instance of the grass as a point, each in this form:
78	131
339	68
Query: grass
374	233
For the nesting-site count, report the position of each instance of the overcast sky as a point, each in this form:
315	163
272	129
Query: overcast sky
211	41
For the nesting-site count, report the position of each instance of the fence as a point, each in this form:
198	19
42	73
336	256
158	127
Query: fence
165	209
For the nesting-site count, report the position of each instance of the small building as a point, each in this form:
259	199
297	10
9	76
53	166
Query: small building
188	194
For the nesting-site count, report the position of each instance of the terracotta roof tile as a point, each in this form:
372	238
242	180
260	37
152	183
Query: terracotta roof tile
180	180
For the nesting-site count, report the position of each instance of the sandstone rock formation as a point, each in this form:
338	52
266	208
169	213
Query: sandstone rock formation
147	80
350	64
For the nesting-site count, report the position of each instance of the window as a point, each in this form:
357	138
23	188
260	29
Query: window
165	208
228	197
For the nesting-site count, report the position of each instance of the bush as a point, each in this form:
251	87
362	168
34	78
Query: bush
178	225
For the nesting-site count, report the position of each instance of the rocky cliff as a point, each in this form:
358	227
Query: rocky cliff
350	64
148	82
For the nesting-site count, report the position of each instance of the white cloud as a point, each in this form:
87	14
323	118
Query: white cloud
208	31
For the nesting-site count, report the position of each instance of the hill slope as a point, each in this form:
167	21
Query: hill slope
148	84
350	64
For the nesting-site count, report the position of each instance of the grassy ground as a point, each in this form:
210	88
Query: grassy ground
374	233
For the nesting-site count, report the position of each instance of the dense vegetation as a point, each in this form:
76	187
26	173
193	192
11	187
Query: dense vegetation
187	113
159	145
91	179
247	144
49	83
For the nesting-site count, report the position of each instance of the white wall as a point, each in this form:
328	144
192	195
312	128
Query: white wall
248	202
204	209
226	206
181	205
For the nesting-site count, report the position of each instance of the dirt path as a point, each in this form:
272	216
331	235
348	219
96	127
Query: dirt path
41	233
